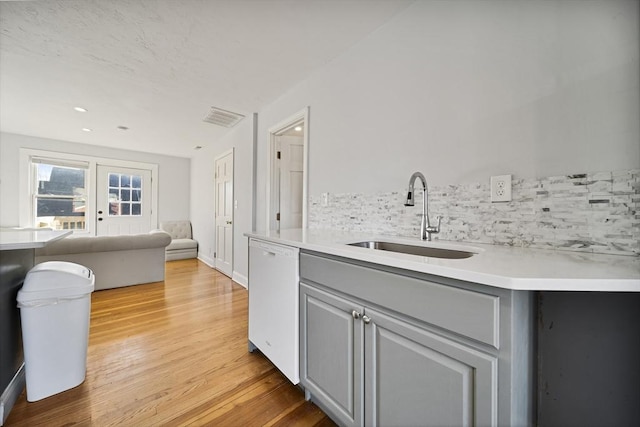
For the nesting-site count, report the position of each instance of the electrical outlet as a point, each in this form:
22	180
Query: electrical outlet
325	199
501	188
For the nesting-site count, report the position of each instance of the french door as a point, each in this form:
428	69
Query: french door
124	200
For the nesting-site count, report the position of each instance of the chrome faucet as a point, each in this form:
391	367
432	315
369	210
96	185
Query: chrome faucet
426	230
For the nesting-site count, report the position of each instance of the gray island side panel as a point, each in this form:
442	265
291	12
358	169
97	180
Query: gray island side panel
589	359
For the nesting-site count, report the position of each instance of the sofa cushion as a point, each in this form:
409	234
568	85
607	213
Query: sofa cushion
177	244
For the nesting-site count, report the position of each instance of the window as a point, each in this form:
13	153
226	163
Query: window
125	194
60	194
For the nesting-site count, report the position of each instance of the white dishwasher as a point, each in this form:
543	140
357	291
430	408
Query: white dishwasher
273	304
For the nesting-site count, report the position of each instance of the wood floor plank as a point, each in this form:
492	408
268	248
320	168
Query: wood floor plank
173	353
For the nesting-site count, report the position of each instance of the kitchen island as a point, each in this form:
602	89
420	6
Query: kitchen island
509	336
17	249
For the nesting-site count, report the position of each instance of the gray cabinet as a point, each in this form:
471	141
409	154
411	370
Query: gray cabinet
414	377
403	374
331	354
379	347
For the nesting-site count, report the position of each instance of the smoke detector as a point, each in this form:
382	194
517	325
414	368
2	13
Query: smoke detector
220	117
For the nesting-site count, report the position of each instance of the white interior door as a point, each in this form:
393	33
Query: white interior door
291	171
124	200
287	186
224	213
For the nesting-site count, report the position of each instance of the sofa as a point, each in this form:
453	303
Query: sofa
182	245
116	261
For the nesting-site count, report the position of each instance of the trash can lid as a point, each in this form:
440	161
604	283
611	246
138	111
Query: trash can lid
53	279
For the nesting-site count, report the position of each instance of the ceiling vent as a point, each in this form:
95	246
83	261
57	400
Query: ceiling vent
220	117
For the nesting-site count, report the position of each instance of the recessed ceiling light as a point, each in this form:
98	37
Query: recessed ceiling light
298	128
87	130
80	109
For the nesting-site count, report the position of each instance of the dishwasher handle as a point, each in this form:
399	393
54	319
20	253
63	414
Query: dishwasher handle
272	249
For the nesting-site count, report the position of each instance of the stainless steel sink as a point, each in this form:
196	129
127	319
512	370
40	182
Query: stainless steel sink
413	249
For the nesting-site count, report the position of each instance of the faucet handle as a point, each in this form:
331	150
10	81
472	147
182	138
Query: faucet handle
436	229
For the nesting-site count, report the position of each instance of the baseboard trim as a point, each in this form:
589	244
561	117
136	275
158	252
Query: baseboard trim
209	261
11	393
240	279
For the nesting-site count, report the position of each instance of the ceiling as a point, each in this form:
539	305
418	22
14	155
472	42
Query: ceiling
157	67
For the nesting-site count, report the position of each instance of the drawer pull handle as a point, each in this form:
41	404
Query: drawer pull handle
366	319
355	314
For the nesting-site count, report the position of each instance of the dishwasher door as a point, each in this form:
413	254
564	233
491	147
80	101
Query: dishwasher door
273	304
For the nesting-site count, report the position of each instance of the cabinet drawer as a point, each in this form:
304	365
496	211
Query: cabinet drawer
471	314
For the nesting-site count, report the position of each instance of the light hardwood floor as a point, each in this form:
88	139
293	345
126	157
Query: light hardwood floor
173	353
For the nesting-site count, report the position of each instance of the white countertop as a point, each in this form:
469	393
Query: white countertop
29	239
499	266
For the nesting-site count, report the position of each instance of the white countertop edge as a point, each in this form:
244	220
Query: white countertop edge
465	270
30	239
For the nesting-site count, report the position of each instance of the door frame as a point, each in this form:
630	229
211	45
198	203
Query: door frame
215	206
300	116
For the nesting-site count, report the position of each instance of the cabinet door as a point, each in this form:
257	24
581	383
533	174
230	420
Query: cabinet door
331	352
414	377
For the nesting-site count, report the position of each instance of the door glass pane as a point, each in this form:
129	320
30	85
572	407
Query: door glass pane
61	195
121	195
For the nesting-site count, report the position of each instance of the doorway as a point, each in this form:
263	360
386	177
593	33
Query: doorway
224	213
123	201
287	173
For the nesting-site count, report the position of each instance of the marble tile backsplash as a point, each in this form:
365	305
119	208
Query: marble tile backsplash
586	212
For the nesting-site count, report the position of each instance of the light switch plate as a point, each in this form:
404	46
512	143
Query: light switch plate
501	188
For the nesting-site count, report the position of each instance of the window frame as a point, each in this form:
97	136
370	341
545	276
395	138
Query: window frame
33	162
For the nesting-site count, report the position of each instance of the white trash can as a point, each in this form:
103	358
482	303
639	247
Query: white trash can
55	306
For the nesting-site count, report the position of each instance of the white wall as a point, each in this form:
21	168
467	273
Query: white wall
462	90
173	173
203	201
